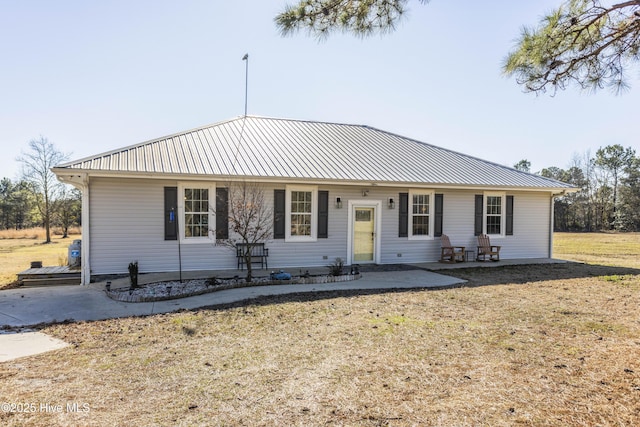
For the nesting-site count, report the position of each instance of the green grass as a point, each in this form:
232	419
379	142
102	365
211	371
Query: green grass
619	249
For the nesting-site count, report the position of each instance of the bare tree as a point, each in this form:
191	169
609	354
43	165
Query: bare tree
614	160
250	219
583	163
68	208
36	170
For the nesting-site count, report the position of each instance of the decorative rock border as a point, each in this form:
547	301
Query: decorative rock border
162	291
313	280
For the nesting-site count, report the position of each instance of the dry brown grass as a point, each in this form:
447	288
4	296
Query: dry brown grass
536	345
36	233
16	255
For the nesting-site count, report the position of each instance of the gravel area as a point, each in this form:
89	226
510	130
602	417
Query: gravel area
160	291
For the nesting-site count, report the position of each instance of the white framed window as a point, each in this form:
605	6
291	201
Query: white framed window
494	213
196	202
301	213
421	214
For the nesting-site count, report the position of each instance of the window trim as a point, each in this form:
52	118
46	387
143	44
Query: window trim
313	189
211	233
503	212
432	205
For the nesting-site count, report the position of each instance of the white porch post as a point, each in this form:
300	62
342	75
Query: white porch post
551	220
85	275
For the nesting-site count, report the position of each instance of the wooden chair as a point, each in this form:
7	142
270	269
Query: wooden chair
485	248
450	253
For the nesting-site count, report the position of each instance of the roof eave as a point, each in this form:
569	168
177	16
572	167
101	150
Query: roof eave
63	172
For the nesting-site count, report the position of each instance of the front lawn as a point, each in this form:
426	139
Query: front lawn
535	345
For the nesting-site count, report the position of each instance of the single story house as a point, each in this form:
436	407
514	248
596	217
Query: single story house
337	190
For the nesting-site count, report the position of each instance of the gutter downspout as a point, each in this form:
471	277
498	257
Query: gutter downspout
85	275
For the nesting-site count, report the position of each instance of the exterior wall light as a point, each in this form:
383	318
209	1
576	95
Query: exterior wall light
338	203
391	204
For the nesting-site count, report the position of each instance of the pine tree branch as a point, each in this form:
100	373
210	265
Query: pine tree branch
581	42
360	17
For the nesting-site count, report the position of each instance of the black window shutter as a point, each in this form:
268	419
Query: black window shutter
222	213
279	212
439	215
509	230
478	214
403	224
323	214
170	213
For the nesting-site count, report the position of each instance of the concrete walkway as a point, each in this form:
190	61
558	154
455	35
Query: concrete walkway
24	307
15	345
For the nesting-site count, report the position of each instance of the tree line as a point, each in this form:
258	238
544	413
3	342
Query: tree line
37	198
19	207
609	191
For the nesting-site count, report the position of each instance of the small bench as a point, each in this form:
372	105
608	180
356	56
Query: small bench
259	254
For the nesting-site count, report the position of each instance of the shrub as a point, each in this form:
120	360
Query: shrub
335	269
133	274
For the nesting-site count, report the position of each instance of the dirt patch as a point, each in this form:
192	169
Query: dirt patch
521	274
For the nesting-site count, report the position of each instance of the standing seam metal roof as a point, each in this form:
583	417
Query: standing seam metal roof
262	147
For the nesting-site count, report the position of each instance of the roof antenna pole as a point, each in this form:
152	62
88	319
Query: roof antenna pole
246	81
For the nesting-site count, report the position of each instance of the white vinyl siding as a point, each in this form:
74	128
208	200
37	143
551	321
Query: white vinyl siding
531	225
127	224
530	239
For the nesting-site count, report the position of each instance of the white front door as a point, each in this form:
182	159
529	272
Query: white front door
363	238
364	234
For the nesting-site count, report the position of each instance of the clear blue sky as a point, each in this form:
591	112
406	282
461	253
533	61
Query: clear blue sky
94	76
